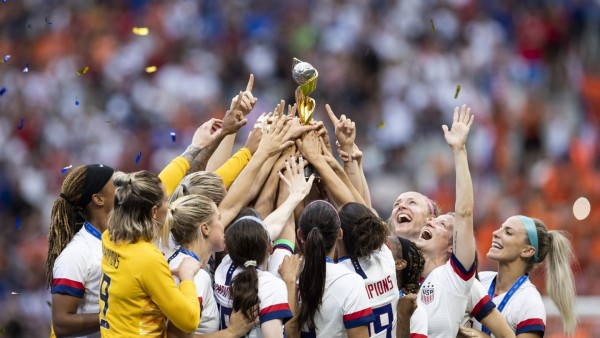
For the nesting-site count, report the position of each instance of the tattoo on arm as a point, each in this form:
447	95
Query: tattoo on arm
200	161
190	153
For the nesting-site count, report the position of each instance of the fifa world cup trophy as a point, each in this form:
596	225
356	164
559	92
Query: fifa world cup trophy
305	75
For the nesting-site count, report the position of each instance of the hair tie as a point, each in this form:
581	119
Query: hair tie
184	189
532	234
173	211
64	197
315	229
250	263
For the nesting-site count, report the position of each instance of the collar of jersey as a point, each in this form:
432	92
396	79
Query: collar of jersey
328	260
93	231
343	258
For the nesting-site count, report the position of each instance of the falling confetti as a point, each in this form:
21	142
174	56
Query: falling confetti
150	69
141	31
26	69
2	91
173	136
581	208
18	222
47	21
22	124
457	91
380	124
6	58
138	157
49	304
14	293
65	169
76	101
83	70
432	26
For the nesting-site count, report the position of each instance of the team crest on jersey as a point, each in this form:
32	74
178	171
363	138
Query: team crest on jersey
427	294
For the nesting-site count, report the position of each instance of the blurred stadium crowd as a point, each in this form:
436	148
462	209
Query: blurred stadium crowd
528	68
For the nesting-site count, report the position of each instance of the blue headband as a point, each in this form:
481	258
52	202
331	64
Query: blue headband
532	234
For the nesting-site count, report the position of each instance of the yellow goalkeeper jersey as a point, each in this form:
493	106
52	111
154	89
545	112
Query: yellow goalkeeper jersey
138	294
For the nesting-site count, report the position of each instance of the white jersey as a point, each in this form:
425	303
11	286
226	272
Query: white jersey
345	304
272	294
77	270
379	276
479	304
280	251
209	322
524	311
418	323
443	295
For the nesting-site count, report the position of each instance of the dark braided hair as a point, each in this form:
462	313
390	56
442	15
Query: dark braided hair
66	217
364	232
408	251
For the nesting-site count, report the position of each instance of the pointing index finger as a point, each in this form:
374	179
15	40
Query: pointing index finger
250	83
332	116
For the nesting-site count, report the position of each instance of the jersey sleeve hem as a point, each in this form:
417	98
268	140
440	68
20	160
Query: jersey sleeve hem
277	311
483	308
459	269
531	325
68	287
359	318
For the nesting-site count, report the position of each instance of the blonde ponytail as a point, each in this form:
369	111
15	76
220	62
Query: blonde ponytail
559	281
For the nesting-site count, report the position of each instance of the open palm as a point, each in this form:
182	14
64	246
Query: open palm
461	124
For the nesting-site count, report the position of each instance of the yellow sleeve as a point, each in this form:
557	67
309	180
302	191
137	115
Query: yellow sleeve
173	173
179	305
230	170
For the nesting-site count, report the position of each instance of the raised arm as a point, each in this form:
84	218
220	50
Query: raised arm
310	147
463	244
345	133
207	134
272	142
241	105
298	186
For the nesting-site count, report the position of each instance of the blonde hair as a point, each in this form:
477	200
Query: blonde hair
204	183
184	217
66	218
135	196
560	284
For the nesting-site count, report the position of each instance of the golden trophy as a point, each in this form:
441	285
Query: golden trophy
305	75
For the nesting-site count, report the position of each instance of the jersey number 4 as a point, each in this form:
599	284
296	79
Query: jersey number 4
104	285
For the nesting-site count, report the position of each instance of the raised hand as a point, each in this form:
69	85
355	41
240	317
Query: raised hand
253	140
247	102
234	118
297	129
207	133
345	129
310	147
274	137
357	154
461	124
295	177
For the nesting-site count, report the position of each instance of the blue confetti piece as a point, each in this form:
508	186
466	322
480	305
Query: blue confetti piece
76	101
47	21
6	58
18	222
65	169
22	124
2	91
173	135
26	69
138	158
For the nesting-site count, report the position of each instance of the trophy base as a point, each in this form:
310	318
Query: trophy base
309	170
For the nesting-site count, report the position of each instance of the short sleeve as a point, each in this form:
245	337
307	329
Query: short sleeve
459	279
273	299
356	308
531	315
418	323
69	273
479	304
276	258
